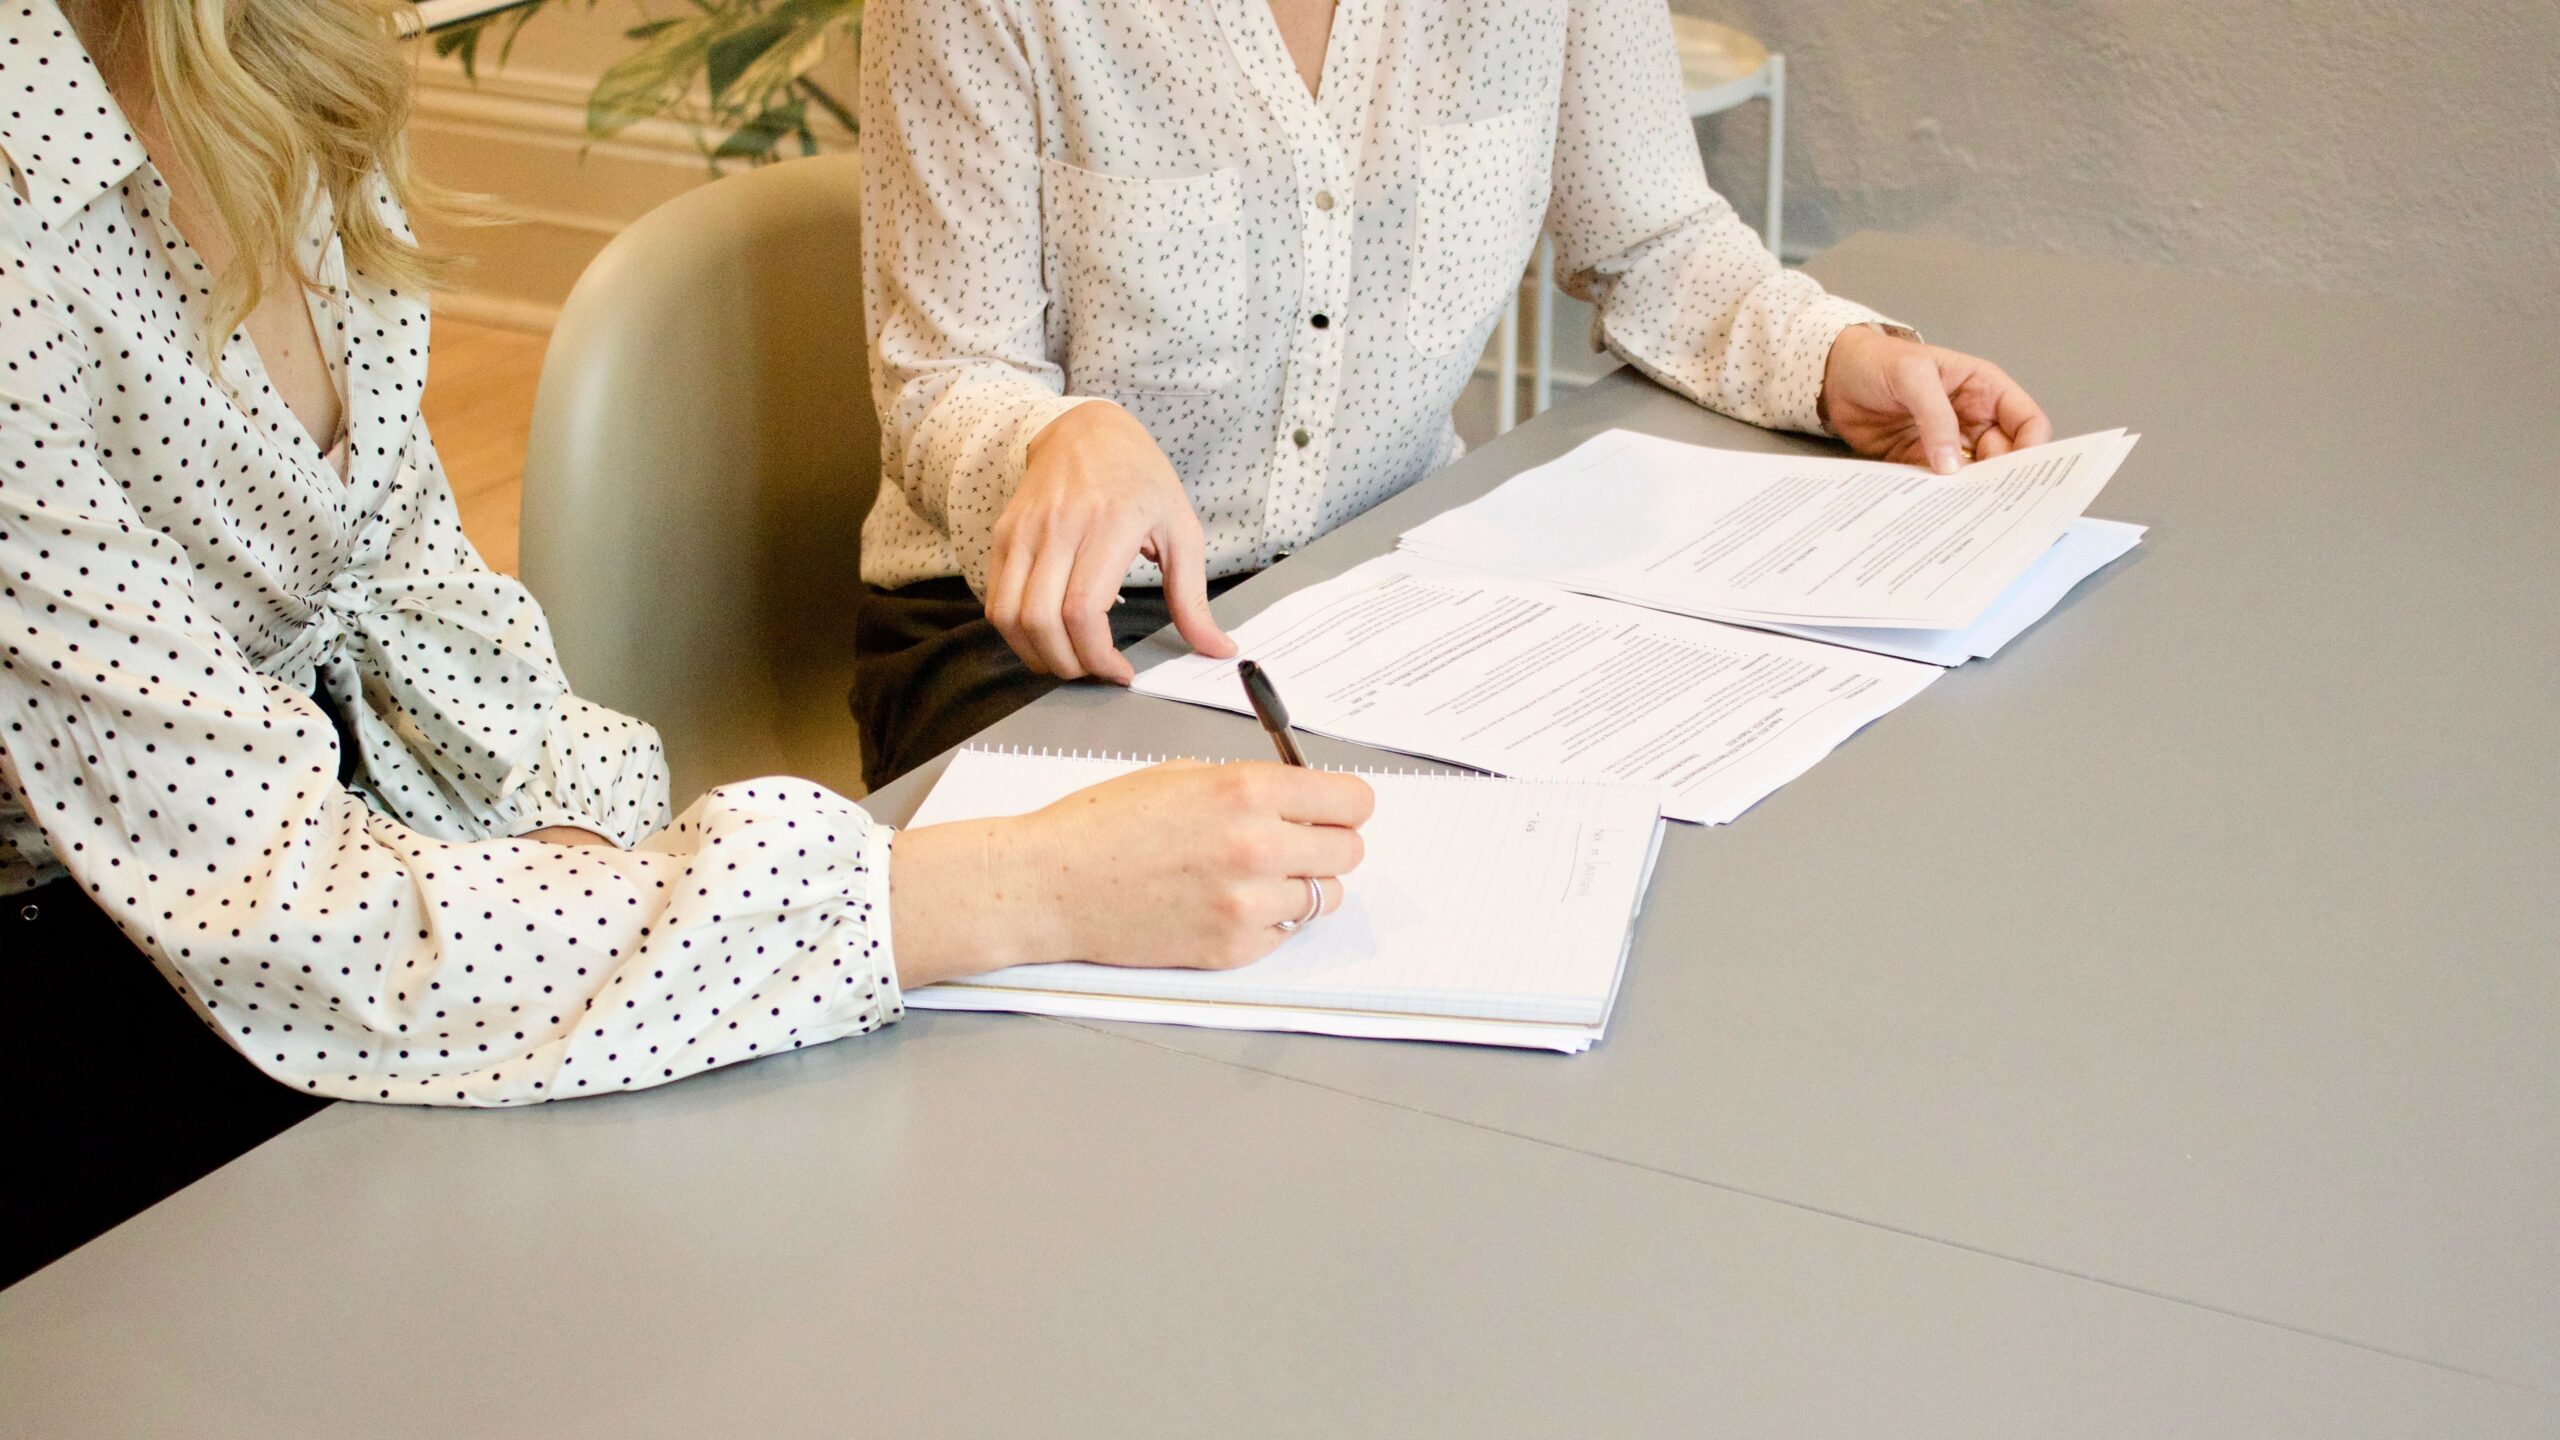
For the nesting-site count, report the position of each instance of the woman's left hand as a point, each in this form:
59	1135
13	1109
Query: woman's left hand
1900	400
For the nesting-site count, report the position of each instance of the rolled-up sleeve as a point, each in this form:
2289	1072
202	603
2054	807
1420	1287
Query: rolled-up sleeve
952	262
1686	292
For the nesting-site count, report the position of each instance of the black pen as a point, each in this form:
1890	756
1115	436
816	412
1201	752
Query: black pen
1268	709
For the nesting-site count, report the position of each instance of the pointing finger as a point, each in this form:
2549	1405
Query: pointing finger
1183	555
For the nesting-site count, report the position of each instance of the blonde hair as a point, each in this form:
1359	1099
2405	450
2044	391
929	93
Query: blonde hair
266	100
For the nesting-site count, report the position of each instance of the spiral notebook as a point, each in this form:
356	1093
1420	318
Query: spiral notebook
1487	911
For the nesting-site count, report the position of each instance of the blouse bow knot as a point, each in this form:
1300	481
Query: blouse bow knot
456	668
349	597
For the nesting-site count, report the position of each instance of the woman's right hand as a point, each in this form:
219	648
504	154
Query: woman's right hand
1181	864
1096	493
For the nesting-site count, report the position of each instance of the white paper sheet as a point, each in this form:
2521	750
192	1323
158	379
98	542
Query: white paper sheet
1487	912
1520	1035
1794	539
2088	546
1526	679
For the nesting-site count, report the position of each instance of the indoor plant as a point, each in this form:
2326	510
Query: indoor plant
738	71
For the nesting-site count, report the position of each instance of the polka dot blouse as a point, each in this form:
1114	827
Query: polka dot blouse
1143	202
182	570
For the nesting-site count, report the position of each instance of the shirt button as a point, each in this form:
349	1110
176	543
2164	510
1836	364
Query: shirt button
1300	438
1319	321
1324	199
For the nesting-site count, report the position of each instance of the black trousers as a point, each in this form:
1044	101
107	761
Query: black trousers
113	1095
931	671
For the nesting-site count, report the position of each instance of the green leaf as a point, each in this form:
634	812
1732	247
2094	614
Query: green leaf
820	96
516	22
747	57
755	140
729	56
463	40
651	79
769	76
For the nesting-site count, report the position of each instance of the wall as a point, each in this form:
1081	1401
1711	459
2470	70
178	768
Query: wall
2347	145
2357	146
518	138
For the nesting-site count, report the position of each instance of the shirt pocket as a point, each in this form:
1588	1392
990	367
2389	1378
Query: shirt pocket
1149	273
1480	195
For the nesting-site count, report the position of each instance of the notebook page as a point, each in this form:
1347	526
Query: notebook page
1481	899
1356	1024
1211	1015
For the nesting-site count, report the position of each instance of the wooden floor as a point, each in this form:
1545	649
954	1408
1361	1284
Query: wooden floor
479	408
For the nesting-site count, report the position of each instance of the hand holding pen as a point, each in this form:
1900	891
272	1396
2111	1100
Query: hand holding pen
1265	700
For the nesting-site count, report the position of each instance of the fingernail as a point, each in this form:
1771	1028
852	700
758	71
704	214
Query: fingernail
1944	460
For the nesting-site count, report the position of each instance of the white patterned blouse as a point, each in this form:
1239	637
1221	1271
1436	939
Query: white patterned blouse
182	570
1140	200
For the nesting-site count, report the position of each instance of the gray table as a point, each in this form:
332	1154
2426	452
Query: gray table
2148	1032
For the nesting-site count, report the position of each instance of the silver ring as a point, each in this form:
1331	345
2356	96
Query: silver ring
1315	907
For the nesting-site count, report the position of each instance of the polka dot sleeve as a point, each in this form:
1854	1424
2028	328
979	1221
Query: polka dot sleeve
595	769
1687	293
958	358
197	801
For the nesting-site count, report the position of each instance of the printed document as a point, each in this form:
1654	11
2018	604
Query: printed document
1526	679
1799	540
2089	546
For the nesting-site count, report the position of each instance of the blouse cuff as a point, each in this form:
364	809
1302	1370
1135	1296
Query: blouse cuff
890	1003
808	871
600	771
1036	417
1807	352
857	945
533	817
973	534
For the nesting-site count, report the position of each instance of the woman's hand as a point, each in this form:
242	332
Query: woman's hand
1181	864
1096	494
1900	400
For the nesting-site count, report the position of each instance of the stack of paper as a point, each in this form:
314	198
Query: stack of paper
2086	548
1561	625
1527	679
1493	912
1784	540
